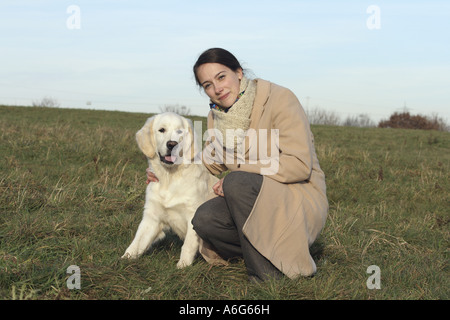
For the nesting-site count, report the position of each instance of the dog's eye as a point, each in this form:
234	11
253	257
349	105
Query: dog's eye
162	130
179	131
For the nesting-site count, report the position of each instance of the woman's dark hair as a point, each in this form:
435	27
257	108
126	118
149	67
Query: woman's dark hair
217	55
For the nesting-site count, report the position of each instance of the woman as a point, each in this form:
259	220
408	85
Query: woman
272	205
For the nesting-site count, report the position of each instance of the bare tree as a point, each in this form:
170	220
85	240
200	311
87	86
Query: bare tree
321	116
181	110
362	120
48	102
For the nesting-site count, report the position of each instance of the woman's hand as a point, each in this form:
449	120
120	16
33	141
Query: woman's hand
218	188
151	177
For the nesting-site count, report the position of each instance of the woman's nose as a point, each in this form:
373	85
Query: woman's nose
219	89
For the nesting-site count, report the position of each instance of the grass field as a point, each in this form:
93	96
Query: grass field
72	186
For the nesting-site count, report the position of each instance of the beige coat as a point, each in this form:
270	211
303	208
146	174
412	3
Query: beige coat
292	206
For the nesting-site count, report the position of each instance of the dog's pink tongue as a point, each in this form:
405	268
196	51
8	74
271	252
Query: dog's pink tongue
170	158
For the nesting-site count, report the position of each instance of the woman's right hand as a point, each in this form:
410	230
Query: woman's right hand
218	188
151	177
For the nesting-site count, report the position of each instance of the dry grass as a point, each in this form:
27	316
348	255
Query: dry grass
72	187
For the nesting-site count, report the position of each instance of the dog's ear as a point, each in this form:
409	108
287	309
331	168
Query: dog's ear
145	138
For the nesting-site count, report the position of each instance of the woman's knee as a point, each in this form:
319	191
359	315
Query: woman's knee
211	216
200	221
237	183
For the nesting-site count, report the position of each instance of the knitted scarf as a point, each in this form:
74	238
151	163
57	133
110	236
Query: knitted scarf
237	118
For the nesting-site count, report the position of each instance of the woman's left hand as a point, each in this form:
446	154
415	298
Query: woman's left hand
218	189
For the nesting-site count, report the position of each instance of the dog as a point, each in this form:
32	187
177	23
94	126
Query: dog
168	142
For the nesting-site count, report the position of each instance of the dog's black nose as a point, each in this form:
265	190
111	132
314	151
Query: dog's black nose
171	144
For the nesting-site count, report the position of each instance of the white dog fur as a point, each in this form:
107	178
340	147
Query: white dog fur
183	186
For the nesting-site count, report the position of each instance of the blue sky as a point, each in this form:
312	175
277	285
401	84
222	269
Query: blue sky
137	56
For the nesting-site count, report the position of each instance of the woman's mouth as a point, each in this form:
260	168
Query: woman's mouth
224	97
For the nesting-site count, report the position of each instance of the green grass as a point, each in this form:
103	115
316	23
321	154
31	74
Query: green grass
72	186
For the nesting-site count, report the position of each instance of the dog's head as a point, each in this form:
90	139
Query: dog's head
169	137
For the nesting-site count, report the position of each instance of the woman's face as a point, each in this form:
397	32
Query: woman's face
220	83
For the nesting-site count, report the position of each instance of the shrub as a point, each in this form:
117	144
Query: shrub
405	120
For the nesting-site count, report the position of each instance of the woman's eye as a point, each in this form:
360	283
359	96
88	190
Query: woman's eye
162	130
221	77
206	86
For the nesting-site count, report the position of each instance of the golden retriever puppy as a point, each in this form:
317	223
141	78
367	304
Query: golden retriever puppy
168	142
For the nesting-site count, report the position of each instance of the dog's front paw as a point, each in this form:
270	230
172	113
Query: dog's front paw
183	264
129	255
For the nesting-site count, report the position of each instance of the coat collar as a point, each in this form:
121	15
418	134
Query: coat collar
261	98
262	95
